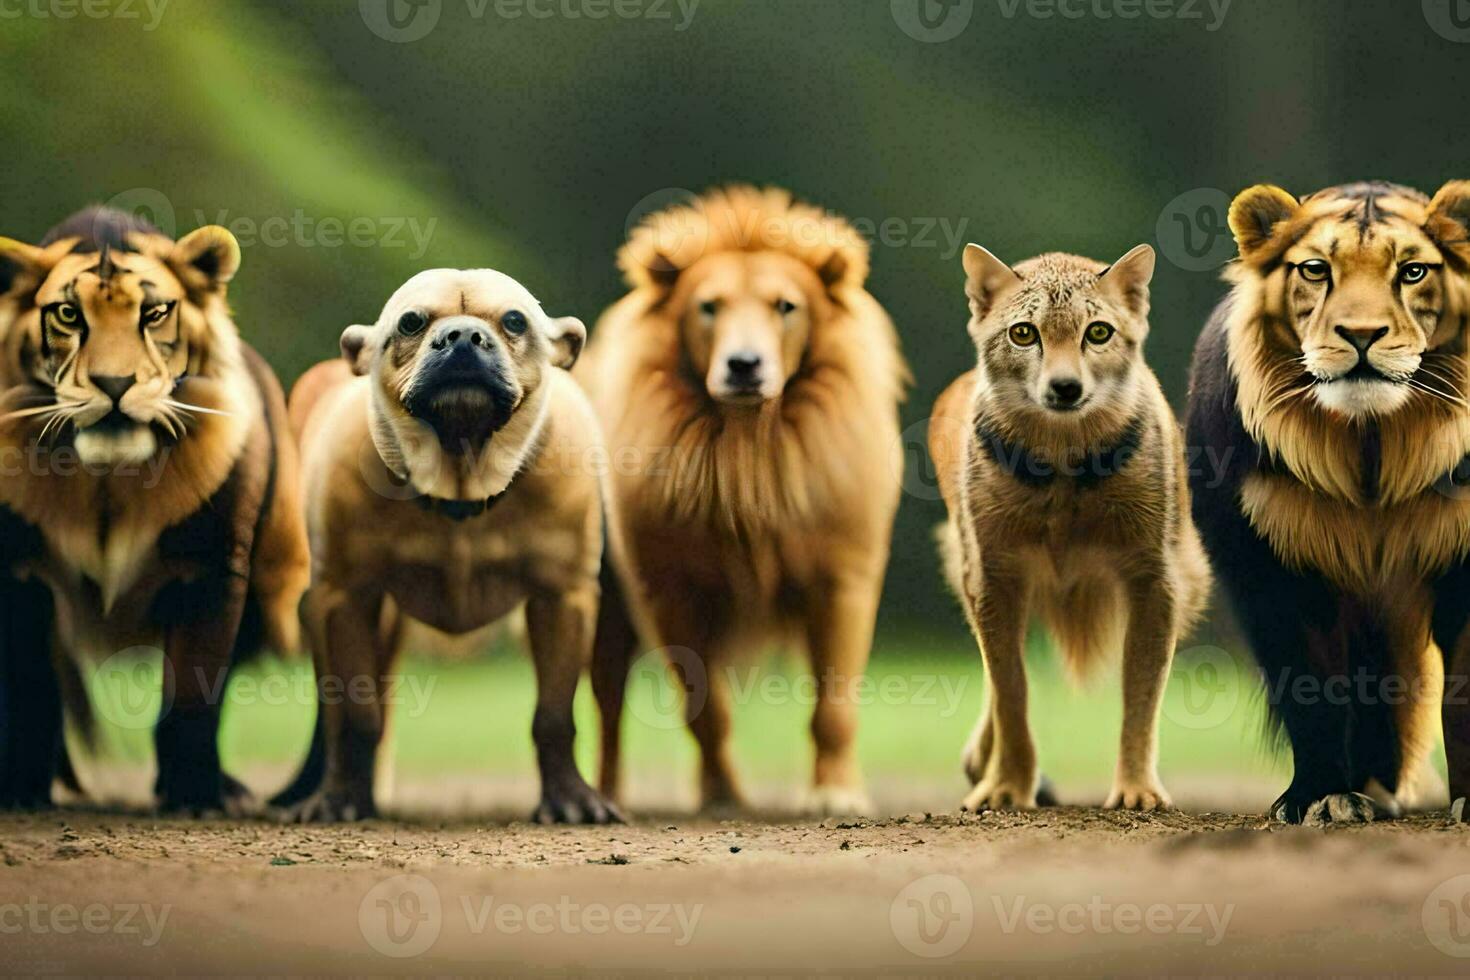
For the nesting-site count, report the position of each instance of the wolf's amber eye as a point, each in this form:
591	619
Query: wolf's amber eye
1413	272
784	307
412	322
1099	332
67	314
1023	335
1315	270
514	322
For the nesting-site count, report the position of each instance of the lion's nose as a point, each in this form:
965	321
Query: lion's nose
1362	337
114	386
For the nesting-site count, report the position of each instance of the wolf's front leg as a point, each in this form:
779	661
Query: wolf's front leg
998	616
1147	652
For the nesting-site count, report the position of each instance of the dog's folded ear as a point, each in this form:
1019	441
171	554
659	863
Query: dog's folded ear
355	347
567	334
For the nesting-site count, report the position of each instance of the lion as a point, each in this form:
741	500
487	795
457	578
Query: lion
150	493
1331	385
749	387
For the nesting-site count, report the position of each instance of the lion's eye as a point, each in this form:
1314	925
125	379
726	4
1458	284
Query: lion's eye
412	322
708	307
154	315
514	322
1099	332
784	307
1315	270
1024	334
1413	272
67	314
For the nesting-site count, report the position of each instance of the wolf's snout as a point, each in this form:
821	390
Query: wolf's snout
1063	393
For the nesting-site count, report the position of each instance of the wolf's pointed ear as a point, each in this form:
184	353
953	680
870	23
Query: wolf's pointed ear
205	259
1448	219
568	334
1255	213
355	347
1128	278
986	277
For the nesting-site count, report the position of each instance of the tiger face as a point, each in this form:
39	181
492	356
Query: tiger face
103	331
1363	285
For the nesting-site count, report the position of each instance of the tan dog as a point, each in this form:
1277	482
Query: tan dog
1063	470
750	386
447	484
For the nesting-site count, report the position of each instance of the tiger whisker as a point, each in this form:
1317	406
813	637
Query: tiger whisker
185	406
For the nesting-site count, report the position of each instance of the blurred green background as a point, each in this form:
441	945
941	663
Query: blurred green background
351	144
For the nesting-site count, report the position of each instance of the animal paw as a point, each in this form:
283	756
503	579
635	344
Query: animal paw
1146	795
1001	794
837	801
334	806
573	801
1340	809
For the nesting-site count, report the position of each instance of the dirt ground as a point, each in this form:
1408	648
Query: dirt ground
1062	891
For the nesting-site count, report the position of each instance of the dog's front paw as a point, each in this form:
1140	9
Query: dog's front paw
1001	794
1146	795
837	801
573	801
334	806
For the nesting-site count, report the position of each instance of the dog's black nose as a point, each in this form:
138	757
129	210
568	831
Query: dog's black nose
114	386
1065	391
463	336
1362	337
744	367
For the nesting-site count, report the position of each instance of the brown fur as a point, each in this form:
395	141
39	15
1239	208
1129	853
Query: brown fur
208	444
741	518
1106	556
1379	540
387	551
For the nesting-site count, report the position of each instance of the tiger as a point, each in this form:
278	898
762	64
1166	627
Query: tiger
149	495
1331	385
